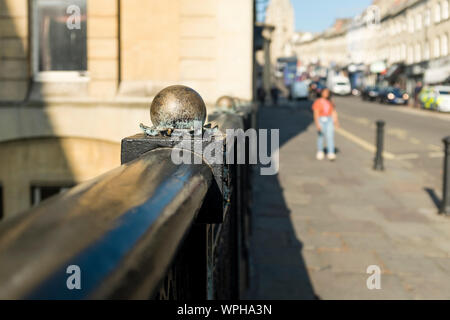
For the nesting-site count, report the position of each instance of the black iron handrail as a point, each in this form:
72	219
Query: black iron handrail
147	229
122	229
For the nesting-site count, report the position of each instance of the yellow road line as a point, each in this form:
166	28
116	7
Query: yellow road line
436	154
434	147
362	143
407	156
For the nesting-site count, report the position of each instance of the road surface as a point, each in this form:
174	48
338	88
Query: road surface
411	135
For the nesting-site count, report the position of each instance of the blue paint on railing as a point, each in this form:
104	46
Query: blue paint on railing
98	260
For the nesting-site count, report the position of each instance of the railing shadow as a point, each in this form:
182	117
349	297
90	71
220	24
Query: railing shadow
279	270
434	197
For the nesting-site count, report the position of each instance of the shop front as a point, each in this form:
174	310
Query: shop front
414	74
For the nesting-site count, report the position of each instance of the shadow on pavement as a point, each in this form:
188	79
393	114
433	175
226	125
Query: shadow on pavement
279	270
434	197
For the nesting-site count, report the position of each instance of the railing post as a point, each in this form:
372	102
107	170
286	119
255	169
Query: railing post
445	205
226	103
239	219
181	109
378	162
173	112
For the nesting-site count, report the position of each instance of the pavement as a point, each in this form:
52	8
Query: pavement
319	225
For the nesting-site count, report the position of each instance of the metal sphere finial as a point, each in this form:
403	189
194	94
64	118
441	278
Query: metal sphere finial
226	102
177	107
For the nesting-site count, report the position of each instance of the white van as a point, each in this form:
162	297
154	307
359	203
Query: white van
442	98
299	90
339	85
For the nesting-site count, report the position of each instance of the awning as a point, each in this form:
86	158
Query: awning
378	67
437	75
394	71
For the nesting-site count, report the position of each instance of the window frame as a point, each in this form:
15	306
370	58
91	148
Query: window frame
411	24
410	55
63	186
418	52
427	17
419	21
444	10
437	12
50	76
437	47
444	45
426	51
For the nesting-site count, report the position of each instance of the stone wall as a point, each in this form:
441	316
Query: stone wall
14	45
134	49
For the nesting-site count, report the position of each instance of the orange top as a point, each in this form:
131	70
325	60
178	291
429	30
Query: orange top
324	106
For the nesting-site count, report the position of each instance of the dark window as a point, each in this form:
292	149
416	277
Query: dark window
59	33
40	193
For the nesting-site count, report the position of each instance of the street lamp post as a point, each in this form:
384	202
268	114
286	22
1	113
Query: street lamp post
378	163
445	205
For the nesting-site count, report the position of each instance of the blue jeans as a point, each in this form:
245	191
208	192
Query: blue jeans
327	130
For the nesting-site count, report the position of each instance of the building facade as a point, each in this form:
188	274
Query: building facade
408	37
327	48
76	76
280	14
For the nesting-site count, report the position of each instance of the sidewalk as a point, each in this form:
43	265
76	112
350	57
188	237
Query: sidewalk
317	226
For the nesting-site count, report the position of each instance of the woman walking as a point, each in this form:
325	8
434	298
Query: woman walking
325	118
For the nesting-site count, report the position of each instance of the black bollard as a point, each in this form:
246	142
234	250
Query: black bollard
445	205
378	162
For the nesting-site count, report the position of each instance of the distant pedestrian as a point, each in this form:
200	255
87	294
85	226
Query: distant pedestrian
325	118
417	90
274	92
261	93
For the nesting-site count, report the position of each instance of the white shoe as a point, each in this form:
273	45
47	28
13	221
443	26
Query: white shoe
320	155
331	156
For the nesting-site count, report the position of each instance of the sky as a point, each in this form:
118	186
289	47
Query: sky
317	15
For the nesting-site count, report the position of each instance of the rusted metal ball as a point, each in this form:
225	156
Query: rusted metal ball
177	107
226	102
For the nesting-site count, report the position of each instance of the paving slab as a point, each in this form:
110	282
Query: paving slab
332	284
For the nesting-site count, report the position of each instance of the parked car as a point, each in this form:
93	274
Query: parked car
435	98
426	98
392	95
299	90
370	93
339	85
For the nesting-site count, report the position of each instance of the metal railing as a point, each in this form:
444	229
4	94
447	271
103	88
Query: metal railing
150	229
